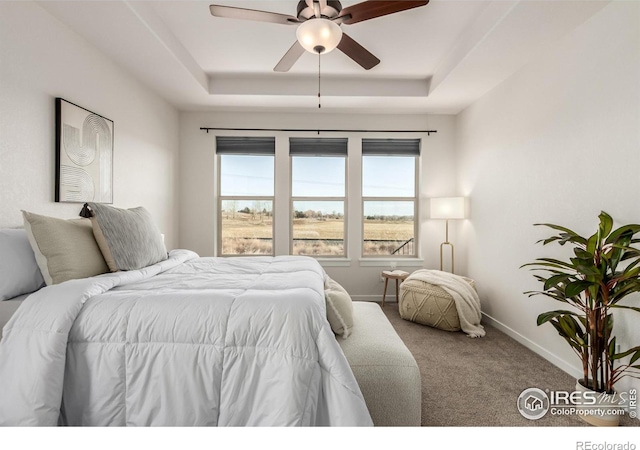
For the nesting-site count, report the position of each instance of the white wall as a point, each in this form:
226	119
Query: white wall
198	184
557	142
40	59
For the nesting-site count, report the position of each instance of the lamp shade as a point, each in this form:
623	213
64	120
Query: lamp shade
447	208
319	35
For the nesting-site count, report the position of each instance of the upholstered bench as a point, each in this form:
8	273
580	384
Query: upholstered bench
385	369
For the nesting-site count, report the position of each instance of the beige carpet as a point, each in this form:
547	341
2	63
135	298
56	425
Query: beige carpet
476	382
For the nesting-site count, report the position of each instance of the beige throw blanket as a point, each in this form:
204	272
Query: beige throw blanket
465	297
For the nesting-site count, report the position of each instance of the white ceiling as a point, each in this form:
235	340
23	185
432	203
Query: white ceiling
439	58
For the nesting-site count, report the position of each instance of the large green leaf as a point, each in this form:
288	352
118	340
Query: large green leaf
572	342
622	290
635	357
543	279
555	280
633	308
553	295
616	256
576	287
571	328
614	236
577	238
632	250
630	273
555	227
625	240
626	353
606	223
612	348
547	316
593	291
566	237
630	254
609	323
589	270
592	243
549	240
582	254
551	262
575	262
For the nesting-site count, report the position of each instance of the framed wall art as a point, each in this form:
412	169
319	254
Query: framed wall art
84	155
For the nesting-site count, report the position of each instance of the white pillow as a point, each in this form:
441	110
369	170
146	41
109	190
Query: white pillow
19	272
339	307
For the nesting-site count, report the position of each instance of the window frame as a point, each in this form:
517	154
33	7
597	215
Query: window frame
222	198
416	209
292	199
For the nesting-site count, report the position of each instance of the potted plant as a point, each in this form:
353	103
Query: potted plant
603	269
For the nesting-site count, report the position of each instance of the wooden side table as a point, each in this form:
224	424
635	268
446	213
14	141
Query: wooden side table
393	275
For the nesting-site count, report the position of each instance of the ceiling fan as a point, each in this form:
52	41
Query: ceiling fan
319	23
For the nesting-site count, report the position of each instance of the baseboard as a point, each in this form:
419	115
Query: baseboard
575	372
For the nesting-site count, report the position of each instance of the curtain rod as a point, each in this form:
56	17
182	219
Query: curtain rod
319	131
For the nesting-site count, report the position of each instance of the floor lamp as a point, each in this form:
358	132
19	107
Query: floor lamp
447	208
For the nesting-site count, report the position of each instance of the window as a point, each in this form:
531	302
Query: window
246	177
389	192
318	174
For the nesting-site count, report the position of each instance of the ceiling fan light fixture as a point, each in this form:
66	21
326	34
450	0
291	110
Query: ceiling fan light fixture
319	35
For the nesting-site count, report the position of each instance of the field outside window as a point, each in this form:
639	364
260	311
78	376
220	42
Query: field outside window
318	205
246	205
389	205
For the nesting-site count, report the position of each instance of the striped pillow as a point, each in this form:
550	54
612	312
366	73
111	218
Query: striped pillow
128	238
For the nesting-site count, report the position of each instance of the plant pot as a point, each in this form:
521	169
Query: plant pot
605	412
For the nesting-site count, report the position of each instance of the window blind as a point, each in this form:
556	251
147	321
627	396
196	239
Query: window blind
318	146
245	145
391	147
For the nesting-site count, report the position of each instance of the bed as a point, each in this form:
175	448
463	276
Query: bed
123	333
187	341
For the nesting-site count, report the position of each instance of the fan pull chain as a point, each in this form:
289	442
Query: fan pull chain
319	105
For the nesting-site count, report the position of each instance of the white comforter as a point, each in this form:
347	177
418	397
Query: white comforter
189	341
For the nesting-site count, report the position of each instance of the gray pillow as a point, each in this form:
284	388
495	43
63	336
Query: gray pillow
339	308
64	249
128	238
19	272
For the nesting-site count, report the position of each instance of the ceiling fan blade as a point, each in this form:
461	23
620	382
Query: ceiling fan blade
357	52
377	8
289	58
231	12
